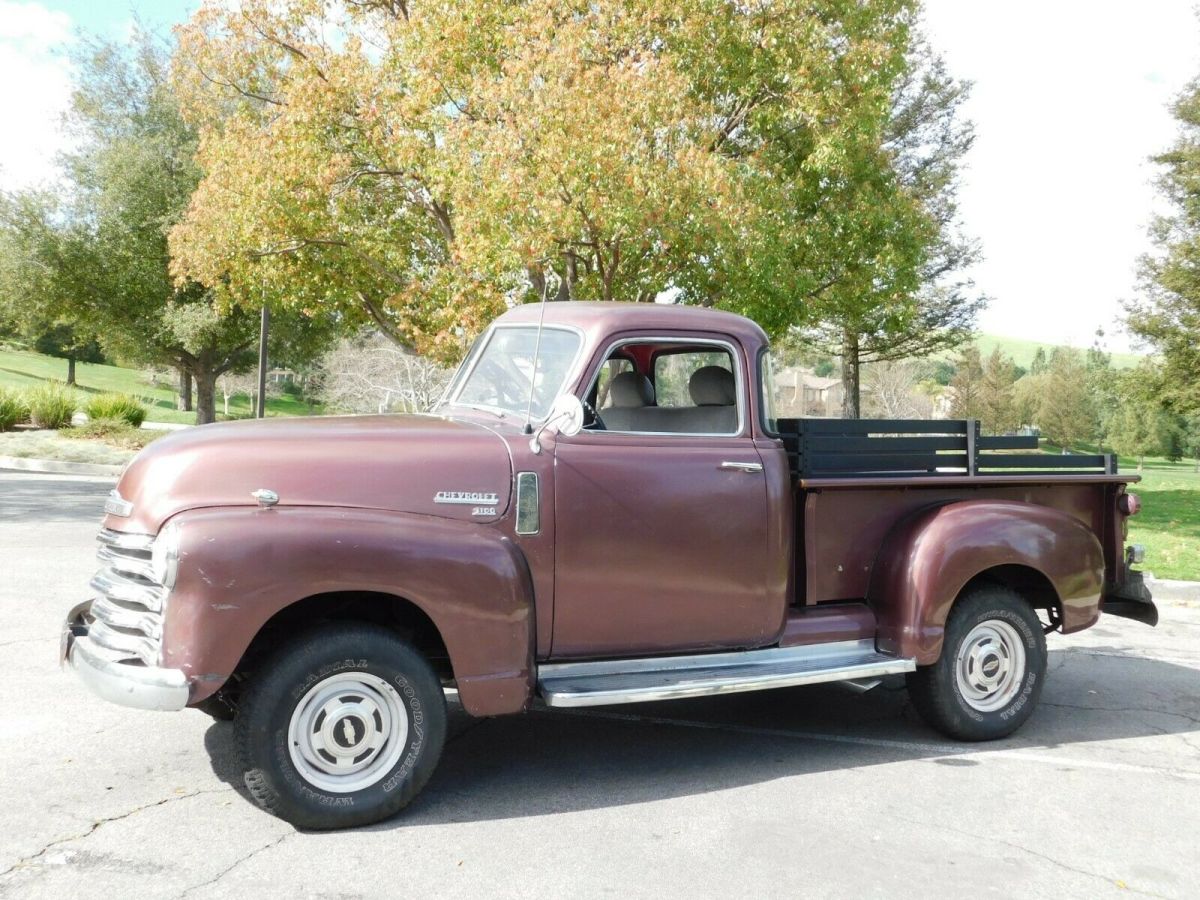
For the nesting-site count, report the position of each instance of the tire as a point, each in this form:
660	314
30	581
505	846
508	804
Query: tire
341	727
990	675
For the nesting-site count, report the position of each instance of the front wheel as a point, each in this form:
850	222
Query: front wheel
990	674
341	727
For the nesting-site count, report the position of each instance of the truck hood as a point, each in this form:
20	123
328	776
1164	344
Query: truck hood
407	463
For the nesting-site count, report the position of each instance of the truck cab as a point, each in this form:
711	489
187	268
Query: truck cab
605	507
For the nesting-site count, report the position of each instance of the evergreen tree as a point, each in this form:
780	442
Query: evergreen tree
1167	315
1028	394
1038	366
967	385
1066	415
997	404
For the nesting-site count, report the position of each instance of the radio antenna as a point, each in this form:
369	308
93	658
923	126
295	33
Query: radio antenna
537	352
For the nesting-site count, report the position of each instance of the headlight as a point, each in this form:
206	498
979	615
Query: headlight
164	556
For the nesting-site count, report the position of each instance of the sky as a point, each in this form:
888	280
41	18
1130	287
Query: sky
1070	100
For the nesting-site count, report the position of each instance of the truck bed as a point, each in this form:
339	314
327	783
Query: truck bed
856	479
908	448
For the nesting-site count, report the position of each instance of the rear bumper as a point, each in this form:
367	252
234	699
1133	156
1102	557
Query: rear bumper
125	682
1131	600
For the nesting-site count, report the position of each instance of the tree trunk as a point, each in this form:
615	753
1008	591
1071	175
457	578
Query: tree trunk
206	394
850	367
71	371
185	390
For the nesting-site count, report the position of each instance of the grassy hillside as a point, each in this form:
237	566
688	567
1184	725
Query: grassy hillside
24	369
1022	350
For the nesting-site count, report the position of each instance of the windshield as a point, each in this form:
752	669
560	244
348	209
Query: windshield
497	375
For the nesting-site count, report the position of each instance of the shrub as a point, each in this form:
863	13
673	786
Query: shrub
114	432
116	406
13	409
51	405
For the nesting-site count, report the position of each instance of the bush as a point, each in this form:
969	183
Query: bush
51	405
13	410
114	432
116	406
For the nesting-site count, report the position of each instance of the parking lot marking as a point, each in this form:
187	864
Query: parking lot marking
937	750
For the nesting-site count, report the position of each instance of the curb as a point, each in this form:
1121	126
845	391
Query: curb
57	467
1167	589
165	426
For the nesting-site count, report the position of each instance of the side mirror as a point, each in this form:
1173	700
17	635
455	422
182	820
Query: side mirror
569	411
566	417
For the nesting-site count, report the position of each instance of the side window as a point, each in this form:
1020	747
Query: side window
688	389
673	374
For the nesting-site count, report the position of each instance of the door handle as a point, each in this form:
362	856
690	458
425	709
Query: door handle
741	466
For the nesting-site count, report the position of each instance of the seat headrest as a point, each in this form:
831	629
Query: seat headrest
629	389
712	386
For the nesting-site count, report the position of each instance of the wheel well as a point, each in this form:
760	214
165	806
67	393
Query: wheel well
1031	584
402	616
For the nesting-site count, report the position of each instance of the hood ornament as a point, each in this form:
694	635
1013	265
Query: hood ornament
266	498
116	505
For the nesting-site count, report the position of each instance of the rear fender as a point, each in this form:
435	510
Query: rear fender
929	557
240	566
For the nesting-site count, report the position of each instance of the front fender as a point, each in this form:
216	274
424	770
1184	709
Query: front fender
238	567
929	557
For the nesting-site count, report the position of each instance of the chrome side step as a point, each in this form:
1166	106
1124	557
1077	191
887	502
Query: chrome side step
673	677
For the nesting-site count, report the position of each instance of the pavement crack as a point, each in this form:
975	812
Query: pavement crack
36	640
1021	848
97	824
1123	709
237	862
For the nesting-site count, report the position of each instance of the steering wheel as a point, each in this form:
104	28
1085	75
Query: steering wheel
597	423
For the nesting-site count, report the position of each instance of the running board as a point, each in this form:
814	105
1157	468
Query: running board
674	677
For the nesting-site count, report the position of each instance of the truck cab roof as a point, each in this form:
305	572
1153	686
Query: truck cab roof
597	319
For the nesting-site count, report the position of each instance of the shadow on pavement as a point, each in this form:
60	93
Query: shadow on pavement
550	761
45	499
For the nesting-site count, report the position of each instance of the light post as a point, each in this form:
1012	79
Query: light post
261	409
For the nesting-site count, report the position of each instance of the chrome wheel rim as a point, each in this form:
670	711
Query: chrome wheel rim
347	732
990	667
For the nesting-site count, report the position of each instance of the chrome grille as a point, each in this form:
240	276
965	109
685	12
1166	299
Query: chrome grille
128	608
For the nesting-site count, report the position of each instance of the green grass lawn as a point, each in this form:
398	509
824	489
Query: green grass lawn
1169	523
25	369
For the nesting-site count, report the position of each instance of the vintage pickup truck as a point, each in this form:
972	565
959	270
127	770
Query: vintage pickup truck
604	508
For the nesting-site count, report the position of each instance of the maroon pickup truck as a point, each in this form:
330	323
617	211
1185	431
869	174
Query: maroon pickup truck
604	508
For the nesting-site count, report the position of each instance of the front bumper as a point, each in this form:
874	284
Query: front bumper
1131	600
123	681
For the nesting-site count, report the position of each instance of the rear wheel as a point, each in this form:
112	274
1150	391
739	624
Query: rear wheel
990	674
342	727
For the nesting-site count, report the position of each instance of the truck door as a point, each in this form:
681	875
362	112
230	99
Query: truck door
661	508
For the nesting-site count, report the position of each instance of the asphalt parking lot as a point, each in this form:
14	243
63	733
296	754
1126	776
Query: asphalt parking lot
808	791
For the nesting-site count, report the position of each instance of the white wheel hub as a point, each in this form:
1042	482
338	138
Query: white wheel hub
990	666
347	732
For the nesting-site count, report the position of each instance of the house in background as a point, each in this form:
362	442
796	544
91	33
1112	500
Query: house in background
800	392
